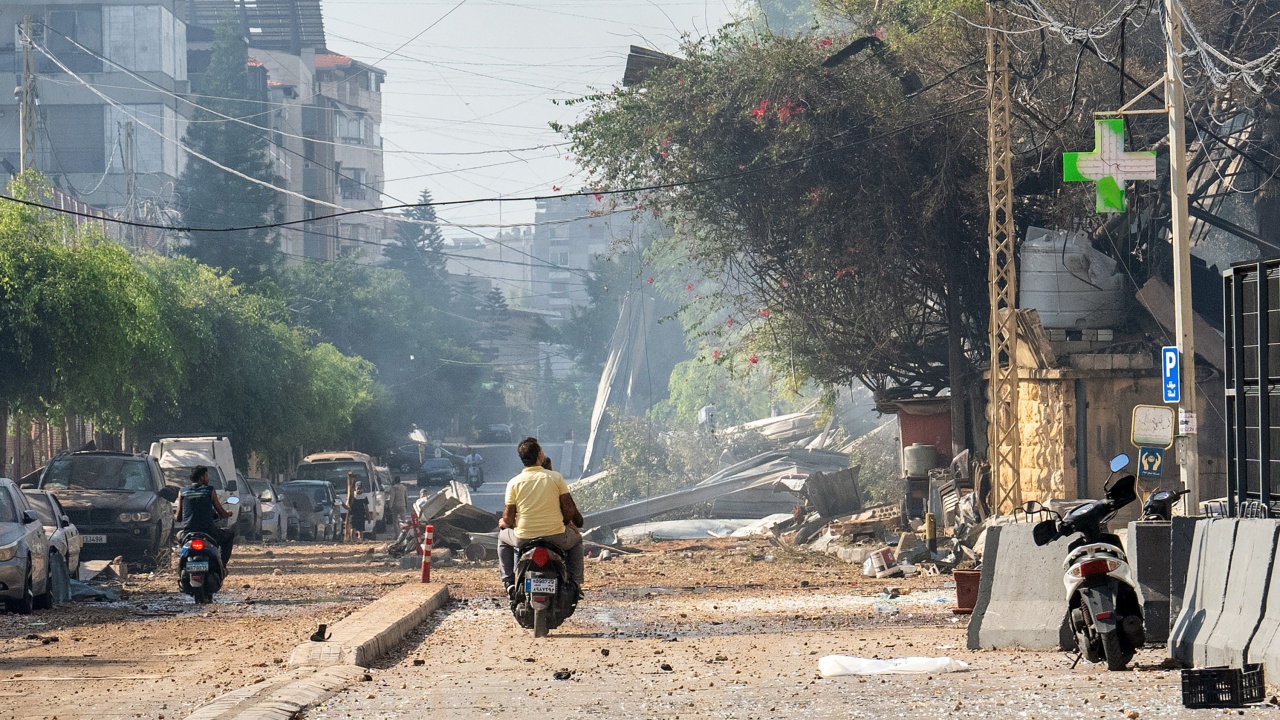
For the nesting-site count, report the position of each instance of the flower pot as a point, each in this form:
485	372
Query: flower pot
966	590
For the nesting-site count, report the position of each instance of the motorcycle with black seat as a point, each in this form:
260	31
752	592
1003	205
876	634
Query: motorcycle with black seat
200	567
1103	599
545	595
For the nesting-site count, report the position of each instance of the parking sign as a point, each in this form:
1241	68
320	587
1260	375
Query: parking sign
1172	382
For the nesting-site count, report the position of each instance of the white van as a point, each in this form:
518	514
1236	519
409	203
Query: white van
179	455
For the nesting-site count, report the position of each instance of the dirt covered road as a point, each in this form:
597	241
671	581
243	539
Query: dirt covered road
732	629
154	654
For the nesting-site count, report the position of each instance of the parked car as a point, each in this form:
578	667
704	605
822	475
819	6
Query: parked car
404	458
497	433
332	467
275	523
292	519
119	503
63	535
318	508
25	583
437	471
249	521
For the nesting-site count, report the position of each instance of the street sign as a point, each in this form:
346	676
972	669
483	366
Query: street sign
1109	166
1172	382
1150	460
1152	426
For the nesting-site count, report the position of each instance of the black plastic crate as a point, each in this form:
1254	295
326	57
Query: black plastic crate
1222	687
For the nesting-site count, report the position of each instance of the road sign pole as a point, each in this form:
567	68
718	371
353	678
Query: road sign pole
1188	460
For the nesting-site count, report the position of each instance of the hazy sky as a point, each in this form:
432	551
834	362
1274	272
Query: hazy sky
482	80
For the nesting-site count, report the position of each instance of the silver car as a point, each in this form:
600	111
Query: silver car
24	554
64	536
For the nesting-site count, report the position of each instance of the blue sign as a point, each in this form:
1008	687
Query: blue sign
1172	380
1150	460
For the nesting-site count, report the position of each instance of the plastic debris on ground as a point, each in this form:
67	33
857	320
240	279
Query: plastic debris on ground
837	665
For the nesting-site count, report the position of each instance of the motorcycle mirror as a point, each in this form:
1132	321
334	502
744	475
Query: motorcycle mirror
1031	507
1044	532
1119	462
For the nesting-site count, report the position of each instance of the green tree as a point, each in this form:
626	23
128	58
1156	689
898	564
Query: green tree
213	198
418	251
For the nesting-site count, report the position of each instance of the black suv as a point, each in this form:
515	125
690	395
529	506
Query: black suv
118	502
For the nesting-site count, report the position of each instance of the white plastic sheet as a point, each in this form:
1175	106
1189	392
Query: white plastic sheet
835	665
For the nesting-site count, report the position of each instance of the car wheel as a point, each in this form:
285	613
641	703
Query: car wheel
27	602
46	599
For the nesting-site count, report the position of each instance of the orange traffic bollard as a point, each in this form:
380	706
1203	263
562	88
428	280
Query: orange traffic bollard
426	553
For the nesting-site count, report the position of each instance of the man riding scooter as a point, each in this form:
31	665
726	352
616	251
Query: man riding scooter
198	511
538	505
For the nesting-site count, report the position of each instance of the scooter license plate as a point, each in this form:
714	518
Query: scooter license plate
540	586
198	566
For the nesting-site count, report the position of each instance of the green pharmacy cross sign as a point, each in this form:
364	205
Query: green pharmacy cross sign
1109	165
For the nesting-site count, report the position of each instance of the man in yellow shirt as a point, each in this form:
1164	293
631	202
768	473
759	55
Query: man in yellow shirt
538	505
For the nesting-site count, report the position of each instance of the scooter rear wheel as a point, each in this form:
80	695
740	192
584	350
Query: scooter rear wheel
1117	657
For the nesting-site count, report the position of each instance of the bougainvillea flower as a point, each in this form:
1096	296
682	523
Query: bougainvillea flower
649	280
689	286
715	354
598	196
764	312
729	321
753	359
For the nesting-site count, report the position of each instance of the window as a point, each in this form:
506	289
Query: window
8	512
74	140
350	129
351	182
99	472
64	26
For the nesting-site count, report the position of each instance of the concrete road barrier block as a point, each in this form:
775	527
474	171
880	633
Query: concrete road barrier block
1206	586
1149	555
1245	598
1181	532
367	633
1265	646
1021	601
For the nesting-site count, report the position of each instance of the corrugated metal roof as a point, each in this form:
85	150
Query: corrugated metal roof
286	25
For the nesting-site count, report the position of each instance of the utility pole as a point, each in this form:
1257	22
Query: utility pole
1002	274
27	100
130	186
1188	460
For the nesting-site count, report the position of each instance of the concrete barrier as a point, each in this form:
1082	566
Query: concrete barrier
1245	599
1181	532
1149	554
1206	587
1265	646
1021	601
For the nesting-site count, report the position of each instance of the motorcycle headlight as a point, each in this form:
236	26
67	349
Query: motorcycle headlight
7	552
135	517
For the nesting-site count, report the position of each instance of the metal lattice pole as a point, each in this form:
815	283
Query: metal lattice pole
1002	409
27	100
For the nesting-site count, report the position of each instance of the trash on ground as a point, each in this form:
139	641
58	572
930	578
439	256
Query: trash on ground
836	665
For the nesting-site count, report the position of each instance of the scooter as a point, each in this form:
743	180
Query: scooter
1159	504
200	567
475	476
545	596
1103	599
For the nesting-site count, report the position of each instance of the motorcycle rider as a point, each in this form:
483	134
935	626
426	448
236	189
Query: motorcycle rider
198	510
473	462
538	505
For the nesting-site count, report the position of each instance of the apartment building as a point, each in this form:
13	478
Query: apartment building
91	147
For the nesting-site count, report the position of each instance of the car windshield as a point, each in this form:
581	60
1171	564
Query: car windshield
318	493
98	472
181	477
334	473
40	503
261	490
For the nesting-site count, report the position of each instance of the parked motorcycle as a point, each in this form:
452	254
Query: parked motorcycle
200	567
545	595
1159	504
1103	599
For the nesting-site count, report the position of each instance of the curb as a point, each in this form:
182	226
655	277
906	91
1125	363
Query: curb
320	670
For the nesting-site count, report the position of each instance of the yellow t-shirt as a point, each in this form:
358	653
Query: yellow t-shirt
536	494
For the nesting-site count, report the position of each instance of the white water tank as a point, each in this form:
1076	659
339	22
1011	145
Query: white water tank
1069	283
918	459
